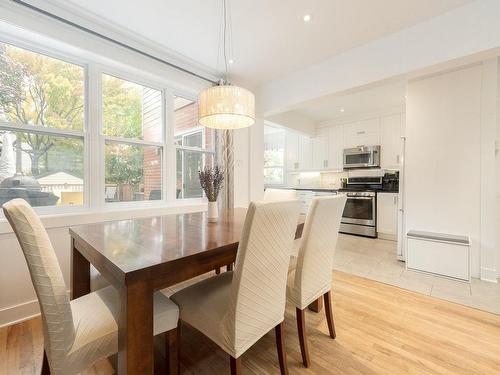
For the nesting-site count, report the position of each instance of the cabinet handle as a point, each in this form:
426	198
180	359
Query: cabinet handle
361	132
296	165
397	159
325	163
395	199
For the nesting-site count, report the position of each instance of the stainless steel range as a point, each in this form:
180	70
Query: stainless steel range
360	212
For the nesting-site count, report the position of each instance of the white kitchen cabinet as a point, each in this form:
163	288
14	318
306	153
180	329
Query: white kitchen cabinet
390	142
305	152
336	148
292	151
362	133
387	215
319	149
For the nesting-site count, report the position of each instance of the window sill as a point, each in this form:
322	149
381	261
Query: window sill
115	212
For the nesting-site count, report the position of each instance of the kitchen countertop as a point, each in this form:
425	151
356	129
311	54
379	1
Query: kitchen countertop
335	190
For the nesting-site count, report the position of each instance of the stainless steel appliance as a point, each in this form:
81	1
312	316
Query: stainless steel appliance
360	213
362	157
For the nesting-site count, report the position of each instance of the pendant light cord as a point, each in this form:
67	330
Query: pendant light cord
224	31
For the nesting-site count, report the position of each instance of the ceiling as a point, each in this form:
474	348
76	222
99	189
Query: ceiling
269	39
363	101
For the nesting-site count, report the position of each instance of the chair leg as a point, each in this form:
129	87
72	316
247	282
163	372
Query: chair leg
301	328
217	270
280	346
235	366
172	351
45	365
229	267
329	315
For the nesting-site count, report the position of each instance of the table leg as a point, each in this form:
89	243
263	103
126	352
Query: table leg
80	273
317	305
135	330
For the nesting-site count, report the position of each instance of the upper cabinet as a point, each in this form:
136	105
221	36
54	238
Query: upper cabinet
362	133
292	151
391	142
324	151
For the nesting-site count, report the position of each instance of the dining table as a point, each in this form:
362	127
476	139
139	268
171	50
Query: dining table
143	255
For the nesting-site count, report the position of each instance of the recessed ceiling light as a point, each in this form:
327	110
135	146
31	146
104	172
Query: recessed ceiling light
307	17
342	109
231	61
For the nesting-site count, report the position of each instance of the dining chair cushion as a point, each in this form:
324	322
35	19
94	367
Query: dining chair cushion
204	305
312	276
271	195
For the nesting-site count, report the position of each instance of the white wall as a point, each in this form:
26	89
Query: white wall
467	30
443	156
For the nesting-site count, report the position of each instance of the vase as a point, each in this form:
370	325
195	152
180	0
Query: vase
213	212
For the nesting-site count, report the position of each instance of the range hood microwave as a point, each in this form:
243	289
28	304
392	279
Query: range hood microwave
362	157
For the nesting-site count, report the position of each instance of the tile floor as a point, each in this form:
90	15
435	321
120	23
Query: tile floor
376	259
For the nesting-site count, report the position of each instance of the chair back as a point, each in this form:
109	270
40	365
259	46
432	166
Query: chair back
47	278
258	289
271	195
313	274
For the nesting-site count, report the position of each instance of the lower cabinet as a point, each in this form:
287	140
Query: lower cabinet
387	215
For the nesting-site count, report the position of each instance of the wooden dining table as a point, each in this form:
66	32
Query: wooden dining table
141	256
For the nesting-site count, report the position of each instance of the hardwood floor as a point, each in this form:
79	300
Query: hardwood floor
381	329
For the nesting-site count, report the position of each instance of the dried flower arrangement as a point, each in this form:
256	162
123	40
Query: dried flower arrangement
211	179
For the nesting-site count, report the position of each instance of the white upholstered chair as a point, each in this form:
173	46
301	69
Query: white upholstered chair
271	195
235	309
310	273
76	333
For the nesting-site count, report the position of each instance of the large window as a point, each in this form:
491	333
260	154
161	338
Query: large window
57	151
42	106
274	155
133	129
195	148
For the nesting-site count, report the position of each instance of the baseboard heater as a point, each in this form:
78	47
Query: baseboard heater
441	254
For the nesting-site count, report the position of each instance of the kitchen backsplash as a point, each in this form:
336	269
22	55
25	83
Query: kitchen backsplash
327	180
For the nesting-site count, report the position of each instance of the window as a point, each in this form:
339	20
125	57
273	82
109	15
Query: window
42	106
195	148
133	130
274	155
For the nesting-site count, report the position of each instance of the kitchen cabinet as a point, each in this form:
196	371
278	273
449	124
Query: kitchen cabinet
320	149
298	152
362	133
387	215
336	148
305	152
292	151
391	142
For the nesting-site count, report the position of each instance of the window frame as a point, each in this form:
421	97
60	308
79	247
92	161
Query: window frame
277	166
92	132
203	151
33	129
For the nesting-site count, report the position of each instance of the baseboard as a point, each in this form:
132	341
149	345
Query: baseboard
18	313
489	274
386	236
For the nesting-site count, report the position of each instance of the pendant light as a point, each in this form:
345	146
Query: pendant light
225	106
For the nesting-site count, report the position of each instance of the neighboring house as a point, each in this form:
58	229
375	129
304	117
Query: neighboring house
62	183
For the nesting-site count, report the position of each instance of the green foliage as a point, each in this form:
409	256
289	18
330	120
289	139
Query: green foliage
124	164
122	108
42	91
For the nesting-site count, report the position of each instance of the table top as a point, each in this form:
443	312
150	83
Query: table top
144	242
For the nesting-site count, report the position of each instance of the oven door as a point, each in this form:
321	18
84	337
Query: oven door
359	210
358	159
